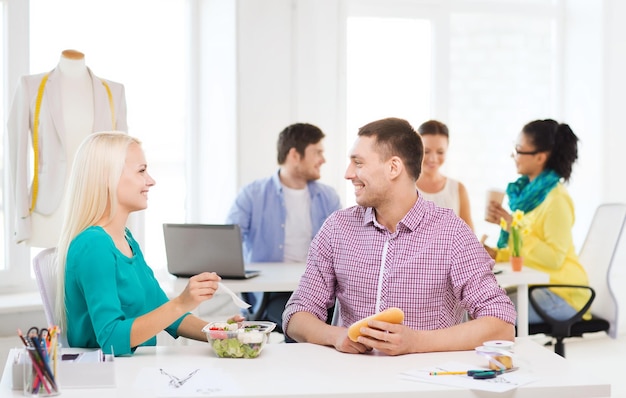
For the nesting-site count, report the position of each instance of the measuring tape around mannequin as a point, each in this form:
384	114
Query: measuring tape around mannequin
42	86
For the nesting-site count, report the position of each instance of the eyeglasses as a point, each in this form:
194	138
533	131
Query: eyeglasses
518	152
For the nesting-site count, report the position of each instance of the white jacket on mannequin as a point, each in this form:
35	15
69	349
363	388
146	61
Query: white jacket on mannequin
53	162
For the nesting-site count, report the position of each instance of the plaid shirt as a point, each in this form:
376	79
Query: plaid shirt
433	268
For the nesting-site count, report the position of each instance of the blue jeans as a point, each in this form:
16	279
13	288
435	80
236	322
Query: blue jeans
552	304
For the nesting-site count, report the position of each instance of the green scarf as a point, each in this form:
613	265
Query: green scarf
525	195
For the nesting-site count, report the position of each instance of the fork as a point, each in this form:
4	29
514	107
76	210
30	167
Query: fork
238	302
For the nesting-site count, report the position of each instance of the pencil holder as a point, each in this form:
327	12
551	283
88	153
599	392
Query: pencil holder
39	378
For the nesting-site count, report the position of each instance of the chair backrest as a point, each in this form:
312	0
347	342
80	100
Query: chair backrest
597	256
46	277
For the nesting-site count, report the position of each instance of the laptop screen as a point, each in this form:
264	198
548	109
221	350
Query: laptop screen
194	248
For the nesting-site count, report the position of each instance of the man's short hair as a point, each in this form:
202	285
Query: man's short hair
396	137
299	136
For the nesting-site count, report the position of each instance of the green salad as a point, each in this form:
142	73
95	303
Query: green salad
242	340
233	348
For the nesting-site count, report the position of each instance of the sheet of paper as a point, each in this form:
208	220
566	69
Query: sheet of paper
205	382
503	382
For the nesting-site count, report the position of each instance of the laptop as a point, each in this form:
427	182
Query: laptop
194	248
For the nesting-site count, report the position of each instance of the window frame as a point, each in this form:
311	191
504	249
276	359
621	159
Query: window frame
14	277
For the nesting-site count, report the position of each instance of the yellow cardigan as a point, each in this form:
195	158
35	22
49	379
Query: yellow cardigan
549	246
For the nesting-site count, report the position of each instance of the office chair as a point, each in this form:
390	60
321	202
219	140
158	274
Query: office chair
597	256
44	266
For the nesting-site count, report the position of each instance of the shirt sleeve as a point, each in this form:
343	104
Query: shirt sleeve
548	243
474	282
18	137
240	212
335	201
315	293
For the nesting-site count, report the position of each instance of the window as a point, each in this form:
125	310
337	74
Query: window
145	54
155	48
494	69
501	77
3	266
389	70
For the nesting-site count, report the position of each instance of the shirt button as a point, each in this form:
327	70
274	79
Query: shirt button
282	225
280	246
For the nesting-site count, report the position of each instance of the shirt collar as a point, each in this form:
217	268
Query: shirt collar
410	221
276	181
311	185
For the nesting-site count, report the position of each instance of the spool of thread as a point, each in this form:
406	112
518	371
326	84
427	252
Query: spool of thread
498	352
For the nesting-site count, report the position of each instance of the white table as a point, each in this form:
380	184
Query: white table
284	277
307	370
527	276
274	277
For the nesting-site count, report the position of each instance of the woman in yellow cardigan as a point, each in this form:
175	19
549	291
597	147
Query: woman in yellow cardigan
544	155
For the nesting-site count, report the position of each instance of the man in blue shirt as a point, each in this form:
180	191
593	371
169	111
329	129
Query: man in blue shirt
279	215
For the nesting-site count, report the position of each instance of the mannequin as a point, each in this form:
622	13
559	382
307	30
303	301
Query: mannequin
76	98
77	109
73	104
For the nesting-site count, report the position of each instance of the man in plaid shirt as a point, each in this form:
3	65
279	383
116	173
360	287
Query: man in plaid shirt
395	249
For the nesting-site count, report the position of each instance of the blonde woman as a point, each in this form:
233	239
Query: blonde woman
109	297
432	184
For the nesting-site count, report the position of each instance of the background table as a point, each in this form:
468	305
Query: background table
284	277
527	276
307	370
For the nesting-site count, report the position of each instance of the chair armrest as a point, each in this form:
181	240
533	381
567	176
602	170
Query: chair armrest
258	313
561	327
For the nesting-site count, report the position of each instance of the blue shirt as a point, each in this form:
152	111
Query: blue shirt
105	291
260	212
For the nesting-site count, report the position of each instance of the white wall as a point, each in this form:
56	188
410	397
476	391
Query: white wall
264	83
213	143
614	99
583	106
288	71
614	104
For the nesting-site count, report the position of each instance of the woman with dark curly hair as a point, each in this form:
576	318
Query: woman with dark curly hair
544	155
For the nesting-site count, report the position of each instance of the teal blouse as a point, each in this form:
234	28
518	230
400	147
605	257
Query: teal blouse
105	291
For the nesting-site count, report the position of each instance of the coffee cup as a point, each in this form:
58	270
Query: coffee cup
493	195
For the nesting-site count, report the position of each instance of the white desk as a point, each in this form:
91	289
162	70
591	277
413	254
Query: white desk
284	277
274	277
306	370
527	276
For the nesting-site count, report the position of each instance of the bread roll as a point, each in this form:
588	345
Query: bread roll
505	360
391	315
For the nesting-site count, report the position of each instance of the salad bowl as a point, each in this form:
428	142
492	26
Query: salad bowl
238	339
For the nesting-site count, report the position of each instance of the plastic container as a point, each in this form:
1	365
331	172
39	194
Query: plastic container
38	377
238	340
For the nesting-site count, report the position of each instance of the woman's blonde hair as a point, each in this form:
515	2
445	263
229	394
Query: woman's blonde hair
91	195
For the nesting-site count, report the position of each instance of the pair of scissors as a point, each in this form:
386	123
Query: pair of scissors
484	374
39	338
39	334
